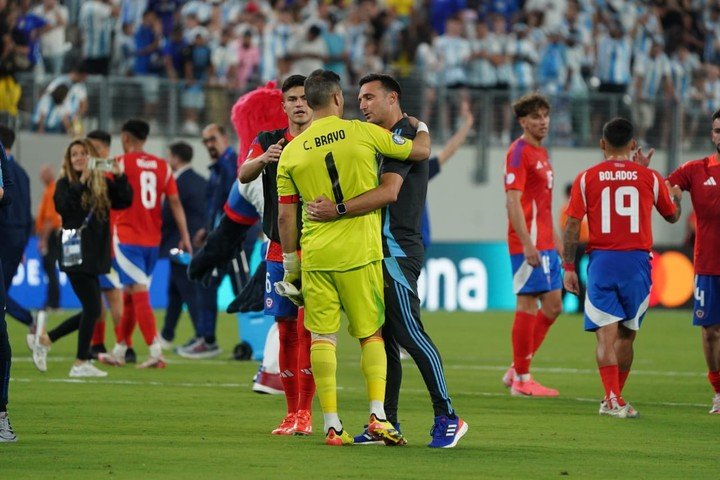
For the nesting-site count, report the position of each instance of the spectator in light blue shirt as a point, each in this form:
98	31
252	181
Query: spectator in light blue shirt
552	68
613	61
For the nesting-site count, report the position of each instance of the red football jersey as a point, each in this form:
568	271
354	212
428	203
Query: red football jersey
150	178
618	199
702	179
528	169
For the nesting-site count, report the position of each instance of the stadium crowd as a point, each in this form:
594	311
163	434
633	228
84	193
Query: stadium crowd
660	53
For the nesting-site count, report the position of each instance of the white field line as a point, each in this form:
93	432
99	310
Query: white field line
489	368
156	383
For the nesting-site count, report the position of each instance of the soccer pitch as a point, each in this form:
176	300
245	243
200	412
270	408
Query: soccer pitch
200	420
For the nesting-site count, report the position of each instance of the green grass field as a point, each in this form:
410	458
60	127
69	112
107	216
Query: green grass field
200	420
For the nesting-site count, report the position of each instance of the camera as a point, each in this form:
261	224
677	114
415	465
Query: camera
102	164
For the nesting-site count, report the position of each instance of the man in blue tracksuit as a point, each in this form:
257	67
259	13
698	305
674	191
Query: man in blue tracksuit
16	224
6	431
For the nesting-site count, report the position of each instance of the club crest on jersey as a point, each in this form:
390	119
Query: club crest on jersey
699	313
509	178
398	139
268	302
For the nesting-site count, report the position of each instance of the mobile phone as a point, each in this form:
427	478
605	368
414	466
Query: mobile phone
102	164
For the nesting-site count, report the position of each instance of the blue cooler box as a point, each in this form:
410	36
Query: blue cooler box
253	328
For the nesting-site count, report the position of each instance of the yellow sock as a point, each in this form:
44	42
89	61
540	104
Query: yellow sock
374	367
324	366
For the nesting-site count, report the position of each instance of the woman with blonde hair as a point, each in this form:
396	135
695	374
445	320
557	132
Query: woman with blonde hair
84	195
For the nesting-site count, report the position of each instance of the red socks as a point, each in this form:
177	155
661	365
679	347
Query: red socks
288	359
306	380
714	378
611	381
622	378
124	331
98	337
144	315
542	325
522	341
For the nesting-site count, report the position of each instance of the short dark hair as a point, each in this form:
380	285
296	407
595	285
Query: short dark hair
320	86
618	132
716	115
7	136
182	150
293	81
387	81
530	103
101	136
137	128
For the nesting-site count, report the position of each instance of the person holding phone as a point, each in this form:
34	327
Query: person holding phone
83	198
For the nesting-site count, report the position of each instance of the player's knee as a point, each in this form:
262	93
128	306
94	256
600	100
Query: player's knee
712	333
553	310
325	338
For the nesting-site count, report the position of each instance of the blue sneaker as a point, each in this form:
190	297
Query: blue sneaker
366	438
447	432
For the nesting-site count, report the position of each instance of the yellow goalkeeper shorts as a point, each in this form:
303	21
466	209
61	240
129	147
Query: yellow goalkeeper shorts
359	292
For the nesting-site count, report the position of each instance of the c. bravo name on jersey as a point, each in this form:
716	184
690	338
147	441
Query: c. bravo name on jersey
327	139
618	175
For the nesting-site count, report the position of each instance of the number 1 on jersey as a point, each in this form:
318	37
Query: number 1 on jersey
627	204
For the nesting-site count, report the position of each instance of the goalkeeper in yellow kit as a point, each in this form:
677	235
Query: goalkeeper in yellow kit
341	260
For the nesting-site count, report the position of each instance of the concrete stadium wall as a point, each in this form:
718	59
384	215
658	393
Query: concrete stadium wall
460	209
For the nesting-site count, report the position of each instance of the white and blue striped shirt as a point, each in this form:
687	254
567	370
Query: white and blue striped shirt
453	54
131	11
523	67
613	60
96	25
481	71
653	72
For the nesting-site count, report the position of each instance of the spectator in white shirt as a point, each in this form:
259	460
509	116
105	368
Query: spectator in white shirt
52	42
309	53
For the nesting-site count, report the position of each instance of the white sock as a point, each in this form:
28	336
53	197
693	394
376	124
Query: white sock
377	408
332	421
156	349
523	378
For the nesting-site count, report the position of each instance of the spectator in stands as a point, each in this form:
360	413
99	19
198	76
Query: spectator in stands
372	63
613	60
651	73
442	10
9	89
124	60
247	61
131	12
482	74
278	36
51	113
309	52
198	69
47	224
52	41
96	21
337	51
552	67
147	60
166	11
453	53
73	107
26	34
174	54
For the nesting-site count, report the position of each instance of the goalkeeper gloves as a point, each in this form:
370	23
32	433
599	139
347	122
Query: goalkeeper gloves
291	265
291	292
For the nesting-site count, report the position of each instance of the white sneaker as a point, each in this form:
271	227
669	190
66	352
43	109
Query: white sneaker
111	359
30	341
509	376
166	344
716	404
6	431
40	321
613	409
119	350
153	362
39	355
156	348
86	369
189	345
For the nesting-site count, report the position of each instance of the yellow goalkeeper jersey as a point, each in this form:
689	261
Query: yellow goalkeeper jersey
337	158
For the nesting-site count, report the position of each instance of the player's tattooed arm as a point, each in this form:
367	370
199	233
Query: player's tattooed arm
570	242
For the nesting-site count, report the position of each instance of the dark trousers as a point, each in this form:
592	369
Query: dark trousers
49	261
13	248
180	291
87	289
5	352
207	311
403	328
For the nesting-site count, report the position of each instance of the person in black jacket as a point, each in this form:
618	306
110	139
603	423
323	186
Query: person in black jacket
83	198
6	431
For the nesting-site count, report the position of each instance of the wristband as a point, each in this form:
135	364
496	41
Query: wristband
568	267
422	127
